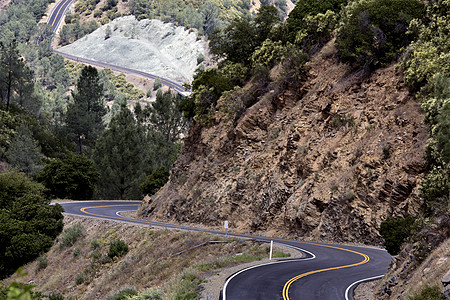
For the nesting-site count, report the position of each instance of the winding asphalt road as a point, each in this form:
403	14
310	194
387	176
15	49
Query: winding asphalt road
57	14
325	272
55	19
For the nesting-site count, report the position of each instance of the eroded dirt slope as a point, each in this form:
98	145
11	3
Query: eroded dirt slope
330	163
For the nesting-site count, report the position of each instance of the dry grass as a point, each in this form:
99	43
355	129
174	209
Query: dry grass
83	272
431	271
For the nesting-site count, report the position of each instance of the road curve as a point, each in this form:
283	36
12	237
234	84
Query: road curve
54	20
328	271
177	86
57	14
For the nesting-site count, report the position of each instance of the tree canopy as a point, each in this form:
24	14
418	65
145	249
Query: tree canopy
118	155
84	116
74	177
28	224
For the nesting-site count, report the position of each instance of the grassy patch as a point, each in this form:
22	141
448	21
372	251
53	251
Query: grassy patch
71	235
428	293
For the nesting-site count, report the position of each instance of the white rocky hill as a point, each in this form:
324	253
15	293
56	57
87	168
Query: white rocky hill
152	46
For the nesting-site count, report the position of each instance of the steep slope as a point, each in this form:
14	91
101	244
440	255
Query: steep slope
153	262
331	162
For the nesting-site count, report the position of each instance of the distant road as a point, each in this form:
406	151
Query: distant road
57	14
54	20
175	85
327	272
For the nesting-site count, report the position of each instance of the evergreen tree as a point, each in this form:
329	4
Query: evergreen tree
28	224
166	117
24	152
159	152
15	76
74	177
118	156
84	115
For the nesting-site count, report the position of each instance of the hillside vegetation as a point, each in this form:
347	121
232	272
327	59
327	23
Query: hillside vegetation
332	124
84	265
313	127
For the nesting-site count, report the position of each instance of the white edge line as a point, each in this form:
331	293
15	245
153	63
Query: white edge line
118	213
358	282
271	263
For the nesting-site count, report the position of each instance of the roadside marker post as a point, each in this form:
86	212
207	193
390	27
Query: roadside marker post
271	247
226	227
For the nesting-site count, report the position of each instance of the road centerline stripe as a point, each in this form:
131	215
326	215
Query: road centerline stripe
288	284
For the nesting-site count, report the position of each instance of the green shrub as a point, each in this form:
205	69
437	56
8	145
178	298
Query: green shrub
81	278
207	88
200	58
428	293
55	297
316	31
386	151
268	54
105	259
28	223
123	294
305	9
187	287
373	31
71	235
96	255
294	71
117	248
434	190
342	119
95	244
396	231
76	252
42	262
74	177
157	84
155	181
429	53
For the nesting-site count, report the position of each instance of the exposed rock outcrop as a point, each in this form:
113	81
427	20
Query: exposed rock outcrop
152	46
330	162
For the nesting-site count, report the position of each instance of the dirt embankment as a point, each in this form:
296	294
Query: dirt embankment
83	271
330	163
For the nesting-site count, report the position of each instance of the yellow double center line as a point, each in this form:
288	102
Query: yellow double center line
59	11
83	209
287	285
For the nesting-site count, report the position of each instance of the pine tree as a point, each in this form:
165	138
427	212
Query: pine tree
166	117
118	156
24	152
84	115
15	76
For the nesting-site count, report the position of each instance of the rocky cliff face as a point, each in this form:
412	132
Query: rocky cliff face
329	162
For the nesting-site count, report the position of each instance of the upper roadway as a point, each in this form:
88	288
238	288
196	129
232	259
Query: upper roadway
54	20
57	14
325	272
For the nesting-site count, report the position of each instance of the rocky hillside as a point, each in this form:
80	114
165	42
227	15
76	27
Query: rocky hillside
151	46
331	162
